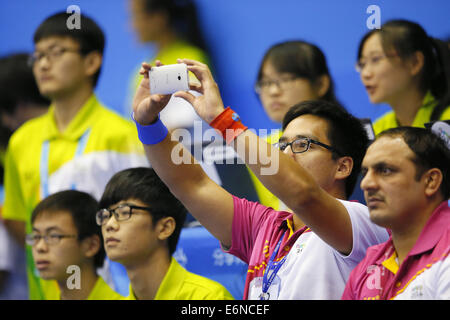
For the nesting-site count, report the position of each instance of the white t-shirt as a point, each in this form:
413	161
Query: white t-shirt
314	270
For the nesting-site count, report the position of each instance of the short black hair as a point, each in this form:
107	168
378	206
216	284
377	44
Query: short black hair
17	83
143	184
430	152
345	132
82	207
89	36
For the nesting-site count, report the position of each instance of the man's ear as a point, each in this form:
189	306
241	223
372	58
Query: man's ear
165	227
344	168
92	63
91	246
433	181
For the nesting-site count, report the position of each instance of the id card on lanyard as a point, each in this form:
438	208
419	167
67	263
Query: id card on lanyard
45	164
270	274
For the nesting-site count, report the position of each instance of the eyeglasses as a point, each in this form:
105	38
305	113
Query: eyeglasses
301	145
283	84
50	239
52	54
121	213
372	60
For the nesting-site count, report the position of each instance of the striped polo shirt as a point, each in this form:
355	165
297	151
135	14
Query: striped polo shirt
424	274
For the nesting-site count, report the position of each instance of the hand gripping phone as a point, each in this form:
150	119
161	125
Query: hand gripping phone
169	79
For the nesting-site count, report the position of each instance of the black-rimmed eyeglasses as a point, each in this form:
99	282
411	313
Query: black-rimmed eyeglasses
303	144
121	213
50	239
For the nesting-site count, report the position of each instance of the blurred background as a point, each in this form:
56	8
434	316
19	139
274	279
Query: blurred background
238	32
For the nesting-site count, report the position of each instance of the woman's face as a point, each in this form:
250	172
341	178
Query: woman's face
384	75
280	91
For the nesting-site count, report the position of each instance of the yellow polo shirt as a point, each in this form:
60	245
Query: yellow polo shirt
40	161
180	284
101	291
389	120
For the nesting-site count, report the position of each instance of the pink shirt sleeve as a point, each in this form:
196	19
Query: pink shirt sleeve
247	220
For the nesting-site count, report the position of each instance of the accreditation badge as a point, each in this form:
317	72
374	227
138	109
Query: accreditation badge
255	289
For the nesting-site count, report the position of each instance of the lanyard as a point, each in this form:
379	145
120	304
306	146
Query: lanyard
82	142
271	271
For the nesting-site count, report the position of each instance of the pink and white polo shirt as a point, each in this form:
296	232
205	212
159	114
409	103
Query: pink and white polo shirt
312	269
424	274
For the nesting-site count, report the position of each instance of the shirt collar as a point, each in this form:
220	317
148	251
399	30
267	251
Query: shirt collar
428	238
79	124
433	230
172	282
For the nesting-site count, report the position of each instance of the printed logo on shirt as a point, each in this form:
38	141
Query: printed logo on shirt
373	281
417	292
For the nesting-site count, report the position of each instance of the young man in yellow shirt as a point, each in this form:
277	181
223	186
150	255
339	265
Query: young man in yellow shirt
67	246
141	223
78	144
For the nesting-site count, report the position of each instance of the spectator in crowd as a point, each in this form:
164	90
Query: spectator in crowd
20	101
141	223
399	64
68	246
407	186
305	255
78	144
290	72
173	29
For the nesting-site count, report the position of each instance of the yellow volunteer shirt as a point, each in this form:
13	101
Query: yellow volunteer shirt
389	120
180	284
266	197
101	291
40	161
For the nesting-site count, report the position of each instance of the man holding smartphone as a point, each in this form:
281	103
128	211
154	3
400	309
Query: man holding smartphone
305	255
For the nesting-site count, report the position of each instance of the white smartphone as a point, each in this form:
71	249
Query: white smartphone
169	79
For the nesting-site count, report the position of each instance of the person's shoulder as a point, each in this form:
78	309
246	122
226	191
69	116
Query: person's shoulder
206	288
28	131
386	121
355	206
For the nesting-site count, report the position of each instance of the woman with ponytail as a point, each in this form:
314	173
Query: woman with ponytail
402	66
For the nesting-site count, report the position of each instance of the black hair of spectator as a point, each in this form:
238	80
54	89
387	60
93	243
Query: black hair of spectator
183	17
430	152
82	207
302	59
17	83
143	184
346	133
406	38
89	36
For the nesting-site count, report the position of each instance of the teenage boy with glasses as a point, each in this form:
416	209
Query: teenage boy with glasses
141	223
305	255
78	144
64	234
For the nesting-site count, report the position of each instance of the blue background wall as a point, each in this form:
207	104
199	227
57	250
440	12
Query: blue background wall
239	32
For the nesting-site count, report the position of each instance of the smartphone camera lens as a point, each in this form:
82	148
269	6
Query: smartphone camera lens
179	77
